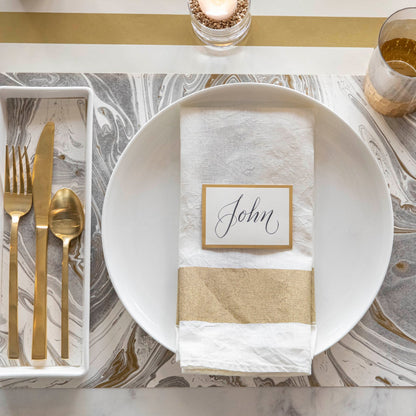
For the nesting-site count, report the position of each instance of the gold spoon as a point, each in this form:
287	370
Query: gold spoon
66	221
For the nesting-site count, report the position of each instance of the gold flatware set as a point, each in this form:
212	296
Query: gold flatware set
64	216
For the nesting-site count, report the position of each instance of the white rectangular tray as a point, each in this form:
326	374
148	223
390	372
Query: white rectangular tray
23	113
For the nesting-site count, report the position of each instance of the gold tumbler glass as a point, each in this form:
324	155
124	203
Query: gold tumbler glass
390	83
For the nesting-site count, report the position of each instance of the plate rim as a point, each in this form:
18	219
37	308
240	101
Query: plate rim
182	100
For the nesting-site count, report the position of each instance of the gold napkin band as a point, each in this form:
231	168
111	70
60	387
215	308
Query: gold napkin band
225	295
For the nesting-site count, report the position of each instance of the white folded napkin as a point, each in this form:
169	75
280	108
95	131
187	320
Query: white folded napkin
253	146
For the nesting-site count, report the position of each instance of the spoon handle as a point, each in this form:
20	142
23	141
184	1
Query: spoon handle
64	300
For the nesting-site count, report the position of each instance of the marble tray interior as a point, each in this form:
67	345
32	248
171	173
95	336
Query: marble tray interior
25	119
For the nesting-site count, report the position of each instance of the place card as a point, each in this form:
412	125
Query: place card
247	216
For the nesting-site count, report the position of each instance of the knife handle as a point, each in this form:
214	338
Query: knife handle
39	312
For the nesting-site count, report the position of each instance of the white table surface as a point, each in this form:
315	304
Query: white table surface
188	59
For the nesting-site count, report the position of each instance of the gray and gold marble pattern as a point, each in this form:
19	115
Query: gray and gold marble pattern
379	351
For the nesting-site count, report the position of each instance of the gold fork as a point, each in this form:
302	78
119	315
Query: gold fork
17	202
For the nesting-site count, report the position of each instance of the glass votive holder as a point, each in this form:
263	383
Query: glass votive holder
390	83
221	33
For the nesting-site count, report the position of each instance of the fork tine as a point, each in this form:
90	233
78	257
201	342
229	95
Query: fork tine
21	177
28	174
14	180
7	171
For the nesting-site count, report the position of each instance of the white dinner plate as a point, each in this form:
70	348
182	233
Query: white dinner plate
353	217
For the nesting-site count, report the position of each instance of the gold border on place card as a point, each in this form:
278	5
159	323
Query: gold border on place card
203	214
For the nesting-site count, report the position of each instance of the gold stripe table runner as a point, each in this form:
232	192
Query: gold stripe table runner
169	29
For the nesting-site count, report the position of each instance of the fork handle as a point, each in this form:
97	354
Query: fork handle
13	291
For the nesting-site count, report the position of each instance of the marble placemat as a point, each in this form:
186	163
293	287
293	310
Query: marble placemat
379	351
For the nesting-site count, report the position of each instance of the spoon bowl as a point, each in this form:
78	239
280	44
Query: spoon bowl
66	215
66	221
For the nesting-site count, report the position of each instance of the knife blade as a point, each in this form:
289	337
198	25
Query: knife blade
42	186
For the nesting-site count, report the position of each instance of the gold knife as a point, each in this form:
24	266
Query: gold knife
42	186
